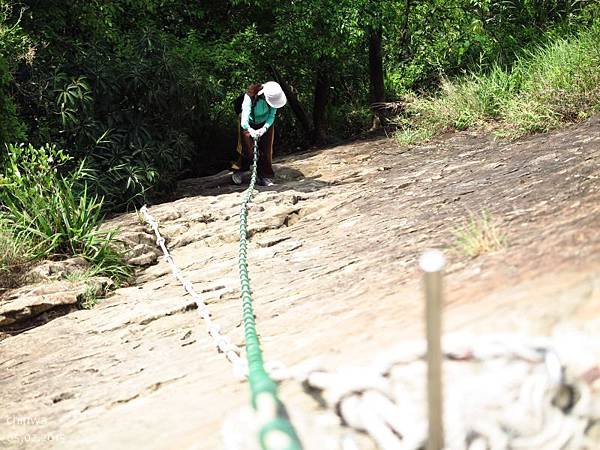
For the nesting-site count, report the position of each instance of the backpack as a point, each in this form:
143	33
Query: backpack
237	103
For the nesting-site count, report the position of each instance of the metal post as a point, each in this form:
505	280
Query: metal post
432	263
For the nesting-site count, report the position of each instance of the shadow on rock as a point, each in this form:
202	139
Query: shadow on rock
286	178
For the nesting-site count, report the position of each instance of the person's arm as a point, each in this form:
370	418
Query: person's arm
246	106
268	122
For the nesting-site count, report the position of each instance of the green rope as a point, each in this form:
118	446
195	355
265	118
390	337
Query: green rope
260	382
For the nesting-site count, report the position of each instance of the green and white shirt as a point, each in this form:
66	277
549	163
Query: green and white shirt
261	112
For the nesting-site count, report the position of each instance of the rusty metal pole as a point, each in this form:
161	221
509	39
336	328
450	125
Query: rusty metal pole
432	263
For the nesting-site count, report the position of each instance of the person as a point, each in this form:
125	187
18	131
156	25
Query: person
259	106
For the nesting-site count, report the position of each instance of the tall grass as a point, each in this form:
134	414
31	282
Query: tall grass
47	205
479	234
14	256
552	84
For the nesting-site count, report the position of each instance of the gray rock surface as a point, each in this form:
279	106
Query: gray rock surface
57	296
333	267
55	270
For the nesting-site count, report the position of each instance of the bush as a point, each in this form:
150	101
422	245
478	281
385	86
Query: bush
14	256
560	83
11	128
47	203
553	84
479	234
14	46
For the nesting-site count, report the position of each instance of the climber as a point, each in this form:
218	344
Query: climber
256	113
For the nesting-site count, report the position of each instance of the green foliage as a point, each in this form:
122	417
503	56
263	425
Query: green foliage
50	207
479	234
128	96
142	89
560	83
555	83
15	253
446	38
14	46
94	290
90	297
11	128
73	97
13	41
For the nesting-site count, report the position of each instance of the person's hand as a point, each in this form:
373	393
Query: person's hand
261	131
253	133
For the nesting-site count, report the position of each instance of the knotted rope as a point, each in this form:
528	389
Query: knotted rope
503	392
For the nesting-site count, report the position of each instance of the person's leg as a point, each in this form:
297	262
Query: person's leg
244	148
265	160
238	164
247	149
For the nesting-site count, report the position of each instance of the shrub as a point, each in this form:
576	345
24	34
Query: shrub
560	82
14	46
478	234
11	128
552	84
14	256
48	204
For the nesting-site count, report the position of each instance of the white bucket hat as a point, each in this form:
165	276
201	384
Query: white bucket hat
273	94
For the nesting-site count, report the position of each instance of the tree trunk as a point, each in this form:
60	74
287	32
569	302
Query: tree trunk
377	93
404	37
377	90
297	108
320	103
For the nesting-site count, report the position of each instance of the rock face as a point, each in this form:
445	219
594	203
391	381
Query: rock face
49	293
55	296
55	270
333	266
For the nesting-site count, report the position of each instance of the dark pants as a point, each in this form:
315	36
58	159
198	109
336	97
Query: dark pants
245	149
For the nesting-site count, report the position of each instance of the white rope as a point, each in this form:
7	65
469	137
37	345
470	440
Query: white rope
223	343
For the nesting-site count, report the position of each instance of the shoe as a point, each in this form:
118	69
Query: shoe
265	182
236	177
